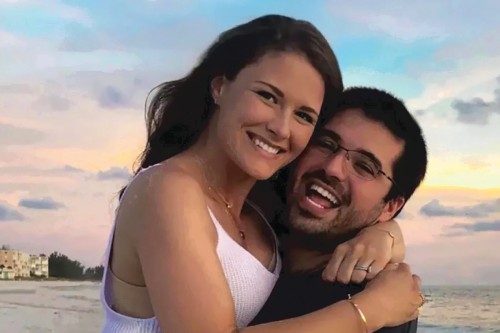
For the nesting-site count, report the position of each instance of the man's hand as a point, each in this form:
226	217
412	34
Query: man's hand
364	256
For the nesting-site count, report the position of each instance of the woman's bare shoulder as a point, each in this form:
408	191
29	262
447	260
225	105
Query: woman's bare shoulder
160	194
164	178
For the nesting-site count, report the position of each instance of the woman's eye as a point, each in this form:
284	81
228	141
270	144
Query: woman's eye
306	116
267	96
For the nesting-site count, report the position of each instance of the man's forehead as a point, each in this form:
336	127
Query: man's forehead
345	117
349	122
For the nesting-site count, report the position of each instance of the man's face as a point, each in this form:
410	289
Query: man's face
329	197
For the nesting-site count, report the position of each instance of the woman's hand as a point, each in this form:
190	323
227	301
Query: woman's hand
365	255
392	298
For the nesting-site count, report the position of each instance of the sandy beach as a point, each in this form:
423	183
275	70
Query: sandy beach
50	306
73	307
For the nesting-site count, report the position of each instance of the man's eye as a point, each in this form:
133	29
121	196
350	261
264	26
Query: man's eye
365	168
327	143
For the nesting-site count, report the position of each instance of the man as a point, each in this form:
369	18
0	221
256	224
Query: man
360	168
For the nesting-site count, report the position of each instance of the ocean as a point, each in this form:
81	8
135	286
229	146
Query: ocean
464	309
62	306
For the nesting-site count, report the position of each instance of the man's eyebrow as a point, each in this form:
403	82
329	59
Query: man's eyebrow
371	156
331	134
280	93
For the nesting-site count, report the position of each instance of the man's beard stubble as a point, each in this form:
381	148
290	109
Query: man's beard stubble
323	235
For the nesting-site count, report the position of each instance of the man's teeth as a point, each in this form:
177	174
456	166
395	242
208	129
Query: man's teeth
265	146
324	193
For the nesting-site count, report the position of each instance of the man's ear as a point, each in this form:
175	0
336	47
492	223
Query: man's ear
217	87
390	208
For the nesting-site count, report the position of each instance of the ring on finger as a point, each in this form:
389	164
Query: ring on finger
423	300
367	269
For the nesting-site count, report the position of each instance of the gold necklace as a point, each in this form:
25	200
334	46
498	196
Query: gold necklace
227	208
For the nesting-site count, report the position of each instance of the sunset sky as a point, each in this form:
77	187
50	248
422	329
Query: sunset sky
74	77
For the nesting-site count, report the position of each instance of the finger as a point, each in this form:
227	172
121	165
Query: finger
391	267
359	274
404	267
375	268
414	315
331	269
347	267
417	280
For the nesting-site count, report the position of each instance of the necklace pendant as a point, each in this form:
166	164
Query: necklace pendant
242	235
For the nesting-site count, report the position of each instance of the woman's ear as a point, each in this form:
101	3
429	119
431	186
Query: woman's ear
217	87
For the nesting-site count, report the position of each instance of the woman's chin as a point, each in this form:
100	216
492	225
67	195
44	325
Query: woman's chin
262	173
260	170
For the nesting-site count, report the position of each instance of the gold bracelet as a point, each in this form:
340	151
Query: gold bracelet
361	315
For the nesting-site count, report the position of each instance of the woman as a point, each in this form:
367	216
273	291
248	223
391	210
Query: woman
188	253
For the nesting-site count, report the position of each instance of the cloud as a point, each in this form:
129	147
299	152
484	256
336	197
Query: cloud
43	203
69	13
19	170
70	168
51	8
114	173
52	103
423	20
435	208
111	98
158	34
481	226
116	89
474	163
10	40
9	214
15	135
477	111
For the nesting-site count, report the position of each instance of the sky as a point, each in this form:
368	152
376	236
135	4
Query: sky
74	76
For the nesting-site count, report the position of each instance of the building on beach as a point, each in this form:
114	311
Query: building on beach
18	264
39	265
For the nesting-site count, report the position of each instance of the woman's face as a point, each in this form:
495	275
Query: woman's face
267	113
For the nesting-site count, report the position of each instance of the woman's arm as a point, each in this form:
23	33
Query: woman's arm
393	230
374	246
177	250
176	244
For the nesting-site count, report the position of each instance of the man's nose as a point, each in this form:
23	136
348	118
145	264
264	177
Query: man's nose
335	165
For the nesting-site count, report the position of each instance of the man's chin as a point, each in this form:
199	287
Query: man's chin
307	224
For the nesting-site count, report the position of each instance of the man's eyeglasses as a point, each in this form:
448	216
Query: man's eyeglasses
357	162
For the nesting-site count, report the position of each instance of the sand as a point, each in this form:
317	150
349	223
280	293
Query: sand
50	306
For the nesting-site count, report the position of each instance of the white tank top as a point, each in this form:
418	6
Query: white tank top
249	281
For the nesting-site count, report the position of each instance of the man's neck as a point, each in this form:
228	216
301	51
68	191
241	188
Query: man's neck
309	254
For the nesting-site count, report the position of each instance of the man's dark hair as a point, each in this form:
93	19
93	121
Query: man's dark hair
378	105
